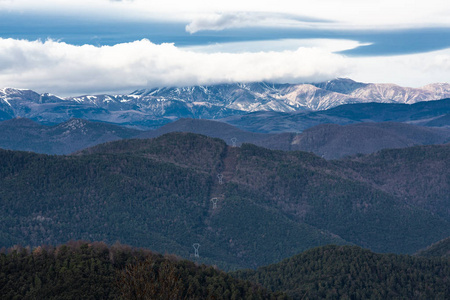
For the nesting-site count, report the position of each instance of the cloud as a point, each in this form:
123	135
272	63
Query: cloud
65	69
412	70
221	21
68	70
214	15
329	45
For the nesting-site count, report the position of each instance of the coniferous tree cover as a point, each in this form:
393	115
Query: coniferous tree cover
82	270
94	270
349	272
167	279
439	249
272	204
77	270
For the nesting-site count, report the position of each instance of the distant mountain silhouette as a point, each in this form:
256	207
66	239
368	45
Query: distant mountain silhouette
70	136
328	141
209	128
335	141
430	113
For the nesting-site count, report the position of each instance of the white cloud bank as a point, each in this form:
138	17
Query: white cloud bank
328	45
414	70
69	70
65	69
221	21
218	15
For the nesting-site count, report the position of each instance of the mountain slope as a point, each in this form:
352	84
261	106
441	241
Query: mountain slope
157	194
328	140
262	96
333	272
209	128
146	199
421	113
268	174
407	134
439	249
64	138
393	172
335	141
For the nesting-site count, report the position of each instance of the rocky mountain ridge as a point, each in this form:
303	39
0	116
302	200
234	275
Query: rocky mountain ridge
149	108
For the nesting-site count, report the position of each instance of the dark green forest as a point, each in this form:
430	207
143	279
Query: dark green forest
81	270
349	272
94	270
439	249
418	175
272	204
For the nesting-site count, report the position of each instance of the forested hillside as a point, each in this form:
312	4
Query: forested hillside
94	270
348	272
81	270
158	194
419	176
439	249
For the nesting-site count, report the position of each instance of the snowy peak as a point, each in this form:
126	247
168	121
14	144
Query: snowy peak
13	97
442	88
249	97
157	106
292	97
397	94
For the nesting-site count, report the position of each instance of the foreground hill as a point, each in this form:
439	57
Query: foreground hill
93	270
345	272
271	204
81	270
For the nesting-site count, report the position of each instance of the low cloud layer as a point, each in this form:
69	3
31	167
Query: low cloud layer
69	70
414	70
65	69
221	21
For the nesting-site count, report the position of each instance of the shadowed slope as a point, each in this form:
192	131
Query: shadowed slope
354	273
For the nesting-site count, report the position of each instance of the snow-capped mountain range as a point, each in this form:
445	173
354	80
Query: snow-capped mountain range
150	107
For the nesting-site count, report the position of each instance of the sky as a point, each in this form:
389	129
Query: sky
71	48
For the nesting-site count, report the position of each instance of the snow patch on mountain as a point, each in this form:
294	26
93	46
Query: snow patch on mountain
210	102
